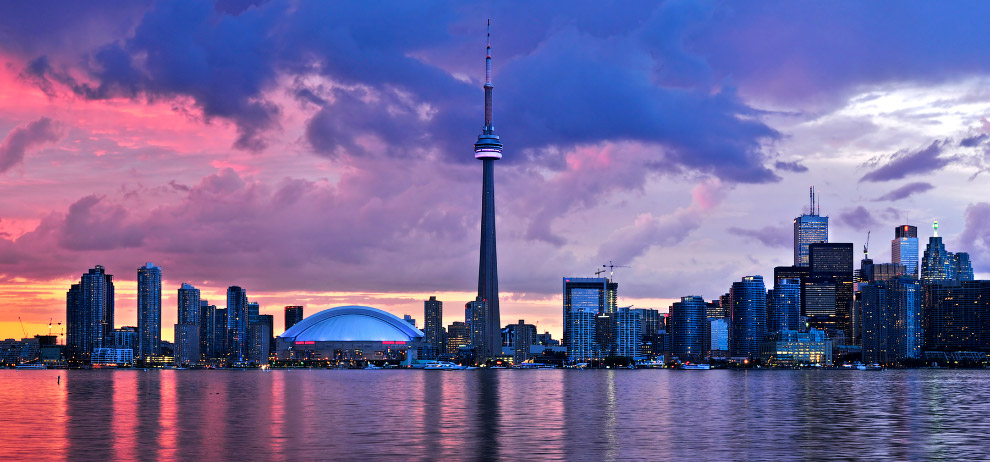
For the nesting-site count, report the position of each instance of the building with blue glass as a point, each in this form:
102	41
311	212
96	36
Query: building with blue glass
748	299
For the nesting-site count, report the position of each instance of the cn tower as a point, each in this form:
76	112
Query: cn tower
488	149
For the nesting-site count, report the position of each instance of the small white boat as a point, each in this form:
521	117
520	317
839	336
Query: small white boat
443	366
372	367
696	367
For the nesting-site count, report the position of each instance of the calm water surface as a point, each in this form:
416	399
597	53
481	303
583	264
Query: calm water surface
503	414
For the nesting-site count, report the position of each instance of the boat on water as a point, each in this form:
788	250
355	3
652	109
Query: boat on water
31	366
533	366
372	367
696	367
869	367
443	366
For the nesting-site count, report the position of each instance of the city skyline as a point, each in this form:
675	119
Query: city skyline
105	166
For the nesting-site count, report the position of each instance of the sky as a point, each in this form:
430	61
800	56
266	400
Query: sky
320	153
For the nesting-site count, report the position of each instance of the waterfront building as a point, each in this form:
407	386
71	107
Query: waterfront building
125	337
487	149
510	331
477	310
189	305
237	324
112	357
957	316
433	327
687	328
350	333
523	336
627	325
715	309
793	348
546	339
584	299
187	344
409	319
207	330
261	338
89	311
718	343
784	306
293	314
809	228
458	336
831	275
749	314
904	248
221	338
149	310
892	320
651	322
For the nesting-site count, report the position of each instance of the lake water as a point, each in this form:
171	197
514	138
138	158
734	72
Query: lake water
500	414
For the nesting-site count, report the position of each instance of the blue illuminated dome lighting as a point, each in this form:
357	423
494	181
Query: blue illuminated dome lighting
353	324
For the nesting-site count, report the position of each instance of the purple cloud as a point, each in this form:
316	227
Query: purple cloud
906	191
906	162
858	218
770	236
975	237
21	139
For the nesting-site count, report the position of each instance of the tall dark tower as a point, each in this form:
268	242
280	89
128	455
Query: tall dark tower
488	149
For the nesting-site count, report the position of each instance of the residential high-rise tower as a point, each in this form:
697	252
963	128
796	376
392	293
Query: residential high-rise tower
149	307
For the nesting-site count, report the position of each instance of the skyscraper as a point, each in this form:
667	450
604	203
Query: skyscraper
904	248
488	149
89	310
189	306
687	328
433	327
584	300
784	306
749	316
809	228
957	316
237	324
207	330
149	306
293	314
477	312
892	322
937	264
831	267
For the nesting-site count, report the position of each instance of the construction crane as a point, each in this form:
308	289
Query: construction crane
599	272
22	326
866	247
611	268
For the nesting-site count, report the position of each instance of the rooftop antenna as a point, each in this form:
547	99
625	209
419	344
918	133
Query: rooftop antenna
811	194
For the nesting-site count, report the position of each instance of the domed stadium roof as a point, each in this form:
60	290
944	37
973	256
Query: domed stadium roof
353	324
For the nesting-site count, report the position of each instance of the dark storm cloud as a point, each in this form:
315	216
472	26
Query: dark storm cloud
911	162
21	139
906	191
584	77
973	141
795	166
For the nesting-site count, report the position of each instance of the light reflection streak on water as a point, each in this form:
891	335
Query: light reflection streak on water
483	415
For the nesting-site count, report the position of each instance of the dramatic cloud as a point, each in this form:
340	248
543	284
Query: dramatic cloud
975	237
795	167
858	218
770	236
906	162
21	139
906	191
